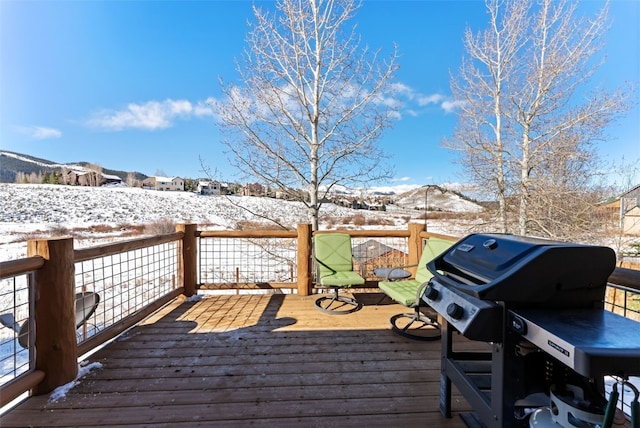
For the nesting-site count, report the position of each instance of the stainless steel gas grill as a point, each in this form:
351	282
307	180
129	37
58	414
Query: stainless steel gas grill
539	306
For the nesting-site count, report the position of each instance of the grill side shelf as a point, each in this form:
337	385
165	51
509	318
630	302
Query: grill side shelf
593	342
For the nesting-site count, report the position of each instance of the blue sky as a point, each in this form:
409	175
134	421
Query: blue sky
126	84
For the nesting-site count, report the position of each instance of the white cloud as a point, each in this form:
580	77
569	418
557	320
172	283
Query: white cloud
179	107
451	106
155	115
424	100
39	132
205	108
402	89
150	116
409	100
395	115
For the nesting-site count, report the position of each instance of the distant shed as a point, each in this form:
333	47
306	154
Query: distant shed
373	254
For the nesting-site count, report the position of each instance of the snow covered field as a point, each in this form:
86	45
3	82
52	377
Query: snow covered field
35	210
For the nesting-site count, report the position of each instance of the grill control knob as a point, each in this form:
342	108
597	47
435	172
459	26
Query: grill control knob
431	293
455	311
518	325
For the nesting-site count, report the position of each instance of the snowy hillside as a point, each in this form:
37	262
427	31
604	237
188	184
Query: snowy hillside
12	164
39	162
30	210
77	207
437	199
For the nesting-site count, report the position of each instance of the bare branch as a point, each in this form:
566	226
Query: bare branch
529	121
310	106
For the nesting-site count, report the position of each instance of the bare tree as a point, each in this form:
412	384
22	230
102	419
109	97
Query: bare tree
132	181
65	175
528	120
482	132
312	102
94	174
35	178
628	171
21	177
553	125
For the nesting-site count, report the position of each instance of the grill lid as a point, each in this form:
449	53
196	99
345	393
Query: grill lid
511	268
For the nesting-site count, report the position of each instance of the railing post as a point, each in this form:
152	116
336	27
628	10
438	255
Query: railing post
414	244
188	258
304	259
56	346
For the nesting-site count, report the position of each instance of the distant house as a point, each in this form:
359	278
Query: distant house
170	184
624	211
376	206
253	189
111	179
373	254
292	194
81	178
630	211
283	194
207	187
631	221
90	178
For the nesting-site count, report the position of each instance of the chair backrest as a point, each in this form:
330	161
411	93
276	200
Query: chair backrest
434	247
333	253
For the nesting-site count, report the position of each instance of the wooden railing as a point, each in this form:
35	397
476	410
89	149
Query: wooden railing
623	293
55	272
278	259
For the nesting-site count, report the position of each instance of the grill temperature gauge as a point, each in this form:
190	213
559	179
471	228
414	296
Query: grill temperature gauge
490	244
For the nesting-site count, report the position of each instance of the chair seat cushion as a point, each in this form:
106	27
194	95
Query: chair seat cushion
341	279
403	292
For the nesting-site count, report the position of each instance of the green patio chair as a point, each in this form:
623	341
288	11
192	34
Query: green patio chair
417	324
334	261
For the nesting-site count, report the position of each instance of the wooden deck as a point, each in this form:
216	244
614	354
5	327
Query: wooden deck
255	360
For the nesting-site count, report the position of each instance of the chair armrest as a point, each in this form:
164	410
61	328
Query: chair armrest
420	292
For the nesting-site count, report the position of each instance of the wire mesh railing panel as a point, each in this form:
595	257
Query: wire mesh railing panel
112	287
623	301
380	252
626	395
626	302
15	336
245	262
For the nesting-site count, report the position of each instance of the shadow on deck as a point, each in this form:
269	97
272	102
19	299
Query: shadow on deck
255	360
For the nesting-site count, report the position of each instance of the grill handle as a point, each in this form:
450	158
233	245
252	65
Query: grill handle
446	280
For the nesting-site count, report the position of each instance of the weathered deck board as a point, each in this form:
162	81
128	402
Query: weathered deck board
255	360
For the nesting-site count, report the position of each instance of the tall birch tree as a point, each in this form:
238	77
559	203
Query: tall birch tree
531	133
482	134
311	102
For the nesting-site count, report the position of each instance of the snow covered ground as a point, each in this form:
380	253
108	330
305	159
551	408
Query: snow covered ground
95	214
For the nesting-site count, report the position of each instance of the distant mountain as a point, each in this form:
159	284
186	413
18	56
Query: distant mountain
437	198
12	163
